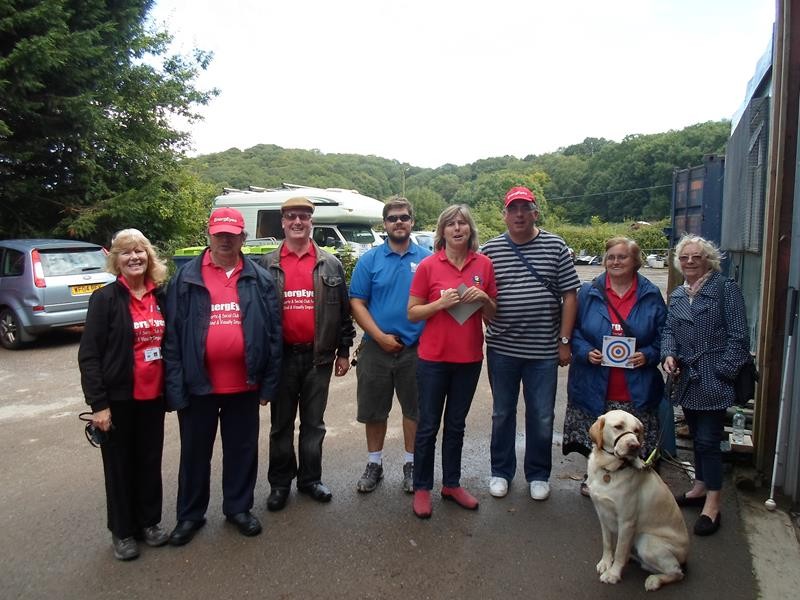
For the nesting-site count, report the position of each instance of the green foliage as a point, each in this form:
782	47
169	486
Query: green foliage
171	209
85	132
427	204
348	258
592	239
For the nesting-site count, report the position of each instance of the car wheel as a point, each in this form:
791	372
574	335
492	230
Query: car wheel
10	330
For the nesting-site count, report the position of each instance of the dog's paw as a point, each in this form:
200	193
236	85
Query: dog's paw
610	576
652	583
604	565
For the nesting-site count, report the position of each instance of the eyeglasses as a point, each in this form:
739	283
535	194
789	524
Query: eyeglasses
396	218
617	257
694	258
291	216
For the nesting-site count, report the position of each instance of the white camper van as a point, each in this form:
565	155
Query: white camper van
341	217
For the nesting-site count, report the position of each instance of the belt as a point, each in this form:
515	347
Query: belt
298	348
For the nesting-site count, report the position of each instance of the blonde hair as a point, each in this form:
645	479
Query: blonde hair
450	213
633	248
125	239
708	249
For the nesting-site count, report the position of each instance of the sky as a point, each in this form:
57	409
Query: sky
441	81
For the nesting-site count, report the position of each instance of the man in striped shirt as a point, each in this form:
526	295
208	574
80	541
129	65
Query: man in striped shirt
528	340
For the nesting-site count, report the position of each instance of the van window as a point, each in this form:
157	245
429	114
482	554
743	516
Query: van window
360	234
325	236
269	224
12	262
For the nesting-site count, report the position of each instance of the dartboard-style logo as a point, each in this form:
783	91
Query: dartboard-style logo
618	352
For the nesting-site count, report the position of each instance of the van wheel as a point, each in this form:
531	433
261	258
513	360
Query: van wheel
10	330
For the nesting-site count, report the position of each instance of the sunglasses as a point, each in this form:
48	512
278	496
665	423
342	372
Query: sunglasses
694	258
396	218
291	216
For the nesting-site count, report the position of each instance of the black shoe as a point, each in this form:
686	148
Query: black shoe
247	524
705	526
318	491
184	532
683	500
277	499
125	548
153	536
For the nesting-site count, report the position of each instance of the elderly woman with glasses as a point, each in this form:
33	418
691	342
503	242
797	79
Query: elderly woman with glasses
122	375
618	303
453	291
705	343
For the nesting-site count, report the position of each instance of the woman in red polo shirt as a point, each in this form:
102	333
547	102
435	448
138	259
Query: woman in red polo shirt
453	291
122	376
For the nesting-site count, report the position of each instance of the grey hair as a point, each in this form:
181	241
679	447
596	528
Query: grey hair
709	249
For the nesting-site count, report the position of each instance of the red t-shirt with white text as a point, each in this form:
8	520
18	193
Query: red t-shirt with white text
148	331
225	357
298	295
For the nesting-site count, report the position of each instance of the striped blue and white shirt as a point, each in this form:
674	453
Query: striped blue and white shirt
528	314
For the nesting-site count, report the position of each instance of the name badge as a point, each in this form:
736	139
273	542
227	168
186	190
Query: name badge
151	354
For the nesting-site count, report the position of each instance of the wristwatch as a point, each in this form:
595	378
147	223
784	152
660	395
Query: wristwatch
564	340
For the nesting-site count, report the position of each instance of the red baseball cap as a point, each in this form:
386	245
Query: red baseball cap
225	220
520	193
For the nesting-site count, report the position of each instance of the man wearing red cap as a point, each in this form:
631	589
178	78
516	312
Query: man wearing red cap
317	334
528	340
222	355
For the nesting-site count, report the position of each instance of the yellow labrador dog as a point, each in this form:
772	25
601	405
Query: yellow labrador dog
638	514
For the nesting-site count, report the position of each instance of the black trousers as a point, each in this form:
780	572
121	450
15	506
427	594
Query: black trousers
303	387
237	415
132	466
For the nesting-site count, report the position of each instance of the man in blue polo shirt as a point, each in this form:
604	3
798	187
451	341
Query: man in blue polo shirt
387	358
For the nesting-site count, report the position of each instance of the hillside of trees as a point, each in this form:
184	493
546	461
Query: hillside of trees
613	181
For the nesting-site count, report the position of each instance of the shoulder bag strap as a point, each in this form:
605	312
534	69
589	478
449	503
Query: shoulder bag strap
547	284
625	329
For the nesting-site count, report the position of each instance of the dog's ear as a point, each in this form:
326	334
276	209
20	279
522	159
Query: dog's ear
596	431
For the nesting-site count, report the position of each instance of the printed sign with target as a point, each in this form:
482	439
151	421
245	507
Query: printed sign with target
617	351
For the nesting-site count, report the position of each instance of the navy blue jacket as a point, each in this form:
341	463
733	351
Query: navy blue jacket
188	313
588	383
709	349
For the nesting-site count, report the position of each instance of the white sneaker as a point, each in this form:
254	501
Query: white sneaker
498	487
540	490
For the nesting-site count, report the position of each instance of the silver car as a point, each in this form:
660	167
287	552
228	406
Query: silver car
46	284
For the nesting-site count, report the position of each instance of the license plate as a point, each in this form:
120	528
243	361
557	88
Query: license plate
82	290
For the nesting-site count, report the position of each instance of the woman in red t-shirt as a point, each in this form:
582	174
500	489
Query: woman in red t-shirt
122	375
453	291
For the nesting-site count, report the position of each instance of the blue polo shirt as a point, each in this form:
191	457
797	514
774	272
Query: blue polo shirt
382	279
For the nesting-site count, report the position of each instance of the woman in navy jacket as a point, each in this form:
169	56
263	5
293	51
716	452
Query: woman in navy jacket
593	388
704	350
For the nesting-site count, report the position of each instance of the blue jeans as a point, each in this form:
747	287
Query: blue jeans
443	388
538	378
707	428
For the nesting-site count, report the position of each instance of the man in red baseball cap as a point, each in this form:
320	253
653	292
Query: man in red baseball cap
527	340
222	359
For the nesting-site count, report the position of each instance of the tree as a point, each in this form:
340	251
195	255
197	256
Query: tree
87	93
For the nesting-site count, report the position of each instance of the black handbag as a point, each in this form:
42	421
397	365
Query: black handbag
744	384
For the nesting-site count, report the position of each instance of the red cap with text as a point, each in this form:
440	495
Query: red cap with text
519	193
225	220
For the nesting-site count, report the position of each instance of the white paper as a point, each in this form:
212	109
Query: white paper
617	351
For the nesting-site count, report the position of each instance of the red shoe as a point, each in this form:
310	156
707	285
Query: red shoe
422	504
460	496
